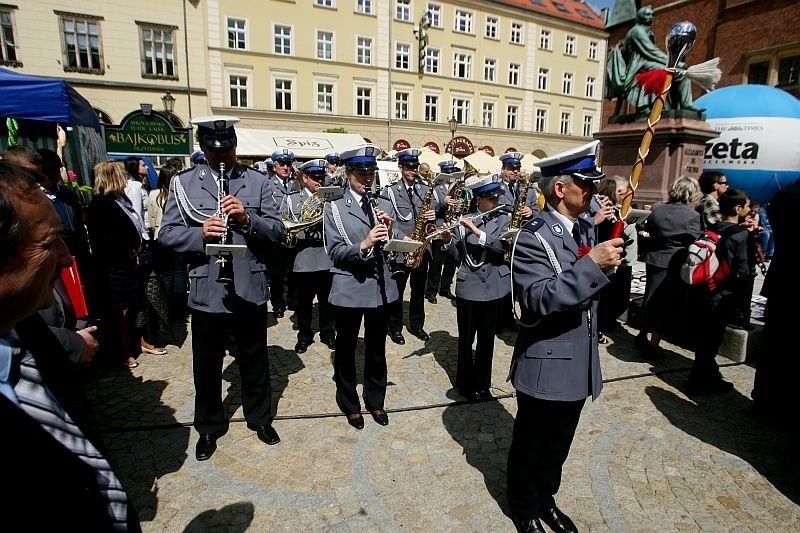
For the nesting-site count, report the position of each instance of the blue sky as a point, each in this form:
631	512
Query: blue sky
600	4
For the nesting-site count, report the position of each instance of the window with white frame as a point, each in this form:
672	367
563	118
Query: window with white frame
588	121
283	40
487	115
569	45
491	28
590	83
324	97
566	84
516	33
323	3
432	56
402	56
364	50
565	127
512	116
82	46
8	46
158	52
461	110
431	108
546	40
462	65
463	21
594	46
324	45
363	101
489	69
540	124
401	105
513	73
237	33
237	86
543	79
434	15
403	10
283	95
364	7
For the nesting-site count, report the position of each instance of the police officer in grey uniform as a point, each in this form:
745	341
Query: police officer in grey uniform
557	272
510	185
312	265
281	258
481	282
442	267
332	169
356	226
237	308
407	196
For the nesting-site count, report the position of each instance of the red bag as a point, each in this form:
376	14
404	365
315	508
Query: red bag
71	279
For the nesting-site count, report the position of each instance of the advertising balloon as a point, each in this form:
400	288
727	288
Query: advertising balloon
758	147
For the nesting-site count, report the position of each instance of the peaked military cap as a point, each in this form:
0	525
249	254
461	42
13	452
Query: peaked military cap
579	162
511	159
448	166
334	158
314	168
216	131
408	157
363	157
484	185
282	155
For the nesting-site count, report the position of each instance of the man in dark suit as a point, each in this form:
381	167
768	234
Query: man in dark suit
58	475
557	270
233	304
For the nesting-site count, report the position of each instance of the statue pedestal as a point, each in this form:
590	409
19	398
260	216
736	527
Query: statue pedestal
677	149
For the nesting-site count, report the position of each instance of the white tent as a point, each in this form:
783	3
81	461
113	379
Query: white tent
483	162
304	144
529	163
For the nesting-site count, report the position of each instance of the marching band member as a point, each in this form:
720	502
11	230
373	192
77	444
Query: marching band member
510	186
283	182
219	310
481	282
442	268
355	227
311	263
407	196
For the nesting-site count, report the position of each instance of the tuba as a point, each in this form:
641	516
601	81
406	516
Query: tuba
310	215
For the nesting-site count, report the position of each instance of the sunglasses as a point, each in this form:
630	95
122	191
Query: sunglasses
283	163
722	182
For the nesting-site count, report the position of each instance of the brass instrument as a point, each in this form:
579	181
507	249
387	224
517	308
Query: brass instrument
422	228
519	205
310	215
458	192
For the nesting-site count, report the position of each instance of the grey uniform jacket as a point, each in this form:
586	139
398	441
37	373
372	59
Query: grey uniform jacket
509	198
310	250
482	275
281	188
558	357
182	234
398	196
358	280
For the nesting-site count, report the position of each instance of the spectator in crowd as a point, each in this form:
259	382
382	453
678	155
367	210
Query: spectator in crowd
712	184
136	190
764	230
168	264
673	225
57	471
176	163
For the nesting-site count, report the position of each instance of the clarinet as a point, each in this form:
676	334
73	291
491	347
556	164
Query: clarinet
224	259
390	257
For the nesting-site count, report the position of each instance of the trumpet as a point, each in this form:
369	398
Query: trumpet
440	231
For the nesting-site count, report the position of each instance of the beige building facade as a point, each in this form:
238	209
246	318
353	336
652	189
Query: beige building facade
515	75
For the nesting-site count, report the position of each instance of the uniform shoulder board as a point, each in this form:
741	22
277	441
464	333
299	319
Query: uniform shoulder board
184	171
533	225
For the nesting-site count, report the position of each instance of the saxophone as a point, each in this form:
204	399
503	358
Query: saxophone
519	205
421	229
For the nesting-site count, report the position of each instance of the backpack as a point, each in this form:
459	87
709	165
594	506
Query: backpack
702	266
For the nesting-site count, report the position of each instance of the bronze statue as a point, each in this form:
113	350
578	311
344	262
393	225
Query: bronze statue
637	53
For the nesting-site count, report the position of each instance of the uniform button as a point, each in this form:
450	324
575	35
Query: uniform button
549	352
593	284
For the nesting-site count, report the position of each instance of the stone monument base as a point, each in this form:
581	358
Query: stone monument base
677	149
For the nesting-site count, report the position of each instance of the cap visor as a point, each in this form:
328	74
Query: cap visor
220	144
589	175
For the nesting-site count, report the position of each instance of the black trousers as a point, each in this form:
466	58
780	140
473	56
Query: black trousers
708	310
416	306
348	322
475	318
279	265
209	335
309	285
543	433
441	271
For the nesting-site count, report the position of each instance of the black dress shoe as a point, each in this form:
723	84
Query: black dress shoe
279	312
266	433
529	525
446	294
468	393
397	337
484	395
380	416
330	342
356	420
420	334
557	521
207	445
431	299
301	347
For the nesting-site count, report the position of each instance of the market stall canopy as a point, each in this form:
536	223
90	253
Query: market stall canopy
44	99
529	163
483	163
304	144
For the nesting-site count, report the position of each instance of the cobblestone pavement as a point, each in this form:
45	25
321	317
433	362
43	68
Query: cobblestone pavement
646	457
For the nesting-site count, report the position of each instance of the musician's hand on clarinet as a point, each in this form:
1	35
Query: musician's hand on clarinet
608	253
234	208
378	233
213	228
385	219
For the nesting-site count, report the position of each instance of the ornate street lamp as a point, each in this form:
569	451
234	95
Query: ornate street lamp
169	103
453	127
